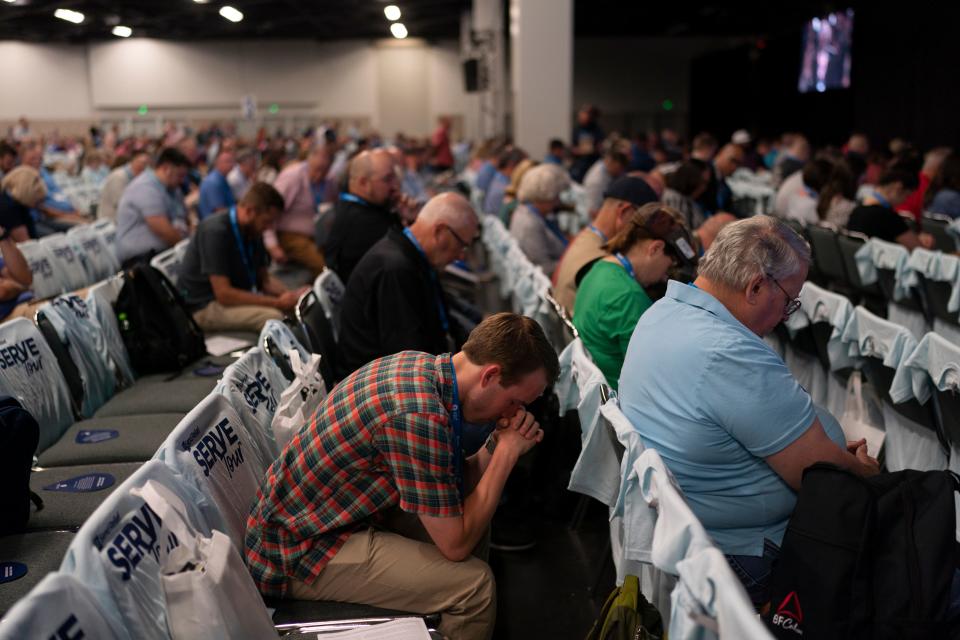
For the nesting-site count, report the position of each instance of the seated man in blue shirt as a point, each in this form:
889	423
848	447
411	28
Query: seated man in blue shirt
719	405
216	195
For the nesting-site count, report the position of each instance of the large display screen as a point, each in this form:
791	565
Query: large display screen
826	52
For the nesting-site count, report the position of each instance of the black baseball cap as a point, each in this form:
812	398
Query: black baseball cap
631	189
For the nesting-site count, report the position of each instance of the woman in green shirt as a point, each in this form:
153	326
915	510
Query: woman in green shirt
611	297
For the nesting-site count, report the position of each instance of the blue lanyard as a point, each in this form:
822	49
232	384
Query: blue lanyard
626	265
349	197
883	201
441	309
318	189
456	417
550	224
598	233
246	250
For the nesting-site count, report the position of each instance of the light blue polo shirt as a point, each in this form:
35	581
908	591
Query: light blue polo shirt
714	400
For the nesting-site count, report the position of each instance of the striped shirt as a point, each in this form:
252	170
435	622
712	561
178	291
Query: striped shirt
382	439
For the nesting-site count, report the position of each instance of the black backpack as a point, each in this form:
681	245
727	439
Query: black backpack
158	332
867	557
19	436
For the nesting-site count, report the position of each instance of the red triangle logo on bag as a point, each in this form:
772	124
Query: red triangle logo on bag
790	607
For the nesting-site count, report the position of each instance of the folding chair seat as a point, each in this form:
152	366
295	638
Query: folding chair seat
41	552
111	439
65	508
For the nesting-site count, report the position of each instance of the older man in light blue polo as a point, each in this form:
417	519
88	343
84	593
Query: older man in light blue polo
719	405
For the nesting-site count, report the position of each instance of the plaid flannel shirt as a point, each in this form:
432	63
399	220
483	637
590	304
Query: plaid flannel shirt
381	439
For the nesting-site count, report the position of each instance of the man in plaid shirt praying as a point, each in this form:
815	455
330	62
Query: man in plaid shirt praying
383	452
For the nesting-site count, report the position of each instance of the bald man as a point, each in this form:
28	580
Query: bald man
363	213
393	301
301	185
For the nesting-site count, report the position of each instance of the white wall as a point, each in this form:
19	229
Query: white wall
357	80
44	81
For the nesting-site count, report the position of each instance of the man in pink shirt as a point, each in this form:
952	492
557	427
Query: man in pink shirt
302	186
441	155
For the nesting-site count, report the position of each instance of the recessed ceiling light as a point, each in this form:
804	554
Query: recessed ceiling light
398	30
69	15
122	31
392	12
201	1
231	14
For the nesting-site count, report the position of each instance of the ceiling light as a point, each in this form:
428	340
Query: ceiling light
69	15
201	1
122	31
392	12
231	14
398	30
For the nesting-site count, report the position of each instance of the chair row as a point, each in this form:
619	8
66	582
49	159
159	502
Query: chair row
74	260
829	340
211	463
654	534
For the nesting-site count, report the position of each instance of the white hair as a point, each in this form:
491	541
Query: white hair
761	245
542	183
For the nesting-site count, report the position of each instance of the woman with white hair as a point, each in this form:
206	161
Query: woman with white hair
20	191
534	224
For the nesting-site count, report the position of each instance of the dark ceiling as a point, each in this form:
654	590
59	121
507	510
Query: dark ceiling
337	19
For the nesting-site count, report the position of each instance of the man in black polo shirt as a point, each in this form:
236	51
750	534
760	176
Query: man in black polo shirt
364	212
393	301
224	275
877	215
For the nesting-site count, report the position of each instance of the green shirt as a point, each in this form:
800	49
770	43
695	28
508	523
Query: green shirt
609	303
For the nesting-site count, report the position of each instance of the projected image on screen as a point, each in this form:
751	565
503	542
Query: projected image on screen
826	52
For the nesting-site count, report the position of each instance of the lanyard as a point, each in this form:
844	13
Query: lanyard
883	201
456	417
441	309
552	225
626	264
598	233
349	197
246	250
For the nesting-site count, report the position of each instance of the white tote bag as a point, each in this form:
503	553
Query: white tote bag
300	400
208	591
858	421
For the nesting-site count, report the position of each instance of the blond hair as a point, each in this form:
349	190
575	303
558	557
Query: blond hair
25	185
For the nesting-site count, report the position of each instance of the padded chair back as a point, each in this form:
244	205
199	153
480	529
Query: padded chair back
29	372
937	294
938	225
329	289
59	606
849	243
47	281
107	231
168	262
881	377
948	402
100	299
887	279
253	385
100	256
113	552
212	448
312	316
277	339
826	253
69	261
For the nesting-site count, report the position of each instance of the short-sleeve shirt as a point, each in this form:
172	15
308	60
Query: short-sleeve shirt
13	214
145	196
214	251
382	439
609	303
215	194
877	221
715	400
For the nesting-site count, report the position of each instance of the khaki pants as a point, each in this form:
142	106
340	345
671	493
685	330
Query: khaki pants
387	570
216	317
302	250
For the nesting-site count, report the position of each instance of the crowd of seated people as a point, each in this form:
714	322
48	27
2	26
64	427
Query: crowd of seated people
654	210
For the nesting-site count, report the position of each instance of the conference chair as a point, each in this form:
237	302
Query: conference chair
938	226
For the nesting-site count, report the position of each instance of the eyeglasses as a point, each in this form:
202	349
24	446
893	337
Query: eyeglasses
463	244
791	305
